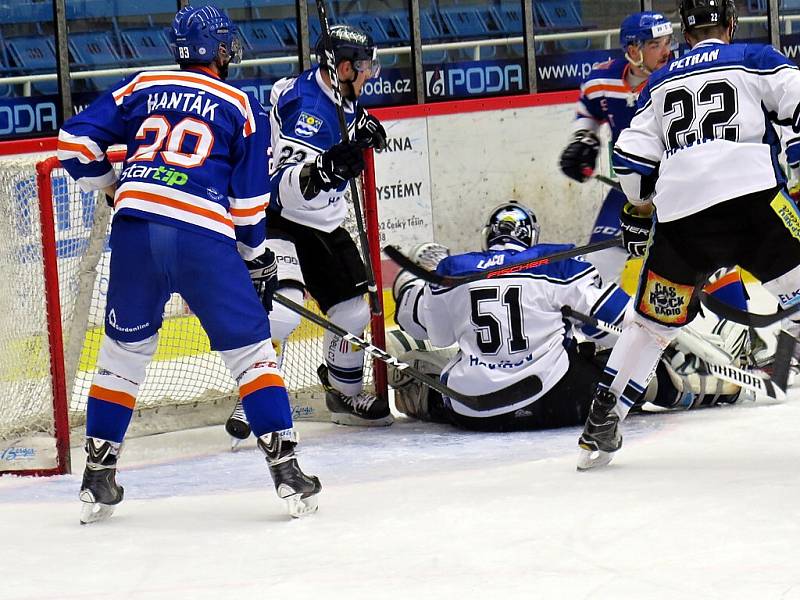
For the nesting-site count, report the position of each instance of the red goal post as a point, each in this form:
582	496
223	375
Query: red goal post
54	265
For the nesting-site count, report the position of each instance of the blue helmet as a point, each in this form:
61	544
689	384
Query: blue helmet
198	32
640	27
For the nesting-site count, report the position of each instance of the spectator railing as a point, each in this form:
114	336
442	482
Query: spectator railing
609	37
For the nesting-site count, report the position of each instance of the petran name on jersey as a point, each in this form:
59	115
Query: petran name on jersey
696	59
184	102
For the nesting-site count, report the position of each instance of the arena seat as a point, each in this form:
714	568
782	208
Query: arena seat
146	45
34	55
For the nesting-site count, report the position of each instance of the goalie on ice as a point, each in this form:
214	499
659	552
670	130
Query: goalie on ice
485	335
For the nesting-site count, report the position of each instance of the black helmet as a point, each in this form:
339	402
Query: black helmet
510	222
707	13
350	43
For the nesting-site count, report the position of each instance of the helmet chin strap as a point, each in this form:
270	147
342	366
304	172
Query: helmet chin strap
639	64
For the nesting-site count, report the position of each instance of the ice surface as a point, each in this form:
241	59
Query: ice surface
700	504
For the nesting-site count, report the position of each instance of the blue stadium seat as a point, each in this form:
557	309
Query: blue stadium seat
34	54
94	50
261	37
286	29
147	45
561	15
468	23
374	27
511	20
396	27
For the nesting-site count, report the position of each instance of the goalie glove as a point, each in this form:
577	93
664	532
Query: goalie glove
427	255
369	131
580	156
635	230
264	275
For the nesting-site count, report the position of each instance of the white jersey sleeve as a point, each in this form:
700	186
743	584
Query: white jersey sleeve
706	125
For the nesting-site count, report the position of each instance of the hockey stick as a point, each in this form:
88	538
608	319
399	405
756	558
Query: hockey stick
726	311
409	265
609	182
329	64
512	394
774	387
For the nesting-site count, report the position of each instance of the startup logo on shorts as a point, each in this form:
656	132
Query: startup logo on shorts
307	125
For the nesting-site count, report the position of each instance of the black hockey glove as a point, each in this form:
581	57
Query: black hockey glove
580	156
369	131
340	163
264	275
635	230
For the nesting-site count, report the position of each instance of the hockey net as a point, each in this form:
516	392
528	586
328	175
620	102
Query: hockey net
54	268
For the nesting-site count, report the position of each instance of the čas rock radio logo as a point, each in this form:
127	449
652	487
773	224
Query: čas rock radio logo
664	300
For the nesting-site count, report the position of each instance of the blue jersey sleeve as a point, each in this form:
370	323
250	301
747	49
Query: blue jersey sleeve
84	140
249	189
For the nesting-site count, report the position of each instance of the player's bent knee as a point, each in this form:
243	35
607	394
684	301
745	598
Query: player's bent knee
282	320
663	334
127	359
351	315
241	359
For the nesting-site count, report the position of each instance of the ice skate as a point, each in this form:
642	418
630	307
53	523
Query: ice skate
237	426
363	409
292	485
99	491
601	436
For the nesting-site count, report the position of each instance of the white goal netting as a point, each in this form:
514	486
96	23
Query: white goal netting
186	385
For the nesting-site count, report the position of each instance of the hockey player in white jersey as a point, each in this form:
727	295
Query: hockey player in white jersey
509	328
310	173
703	150
187	233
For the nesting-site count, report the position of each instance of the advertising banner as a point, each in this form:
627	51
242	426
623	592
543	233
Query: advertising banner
403	184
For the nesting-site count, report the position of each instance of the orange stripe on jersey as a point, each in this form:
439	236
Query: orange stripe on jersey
155	198
720	283
240	99
625	89
259	383
113	396
248	212
75	147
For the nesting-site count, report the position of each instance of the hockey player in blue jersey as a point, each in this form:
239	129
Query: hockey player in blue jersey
509	328
702	149
189	207
608	96
311	166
